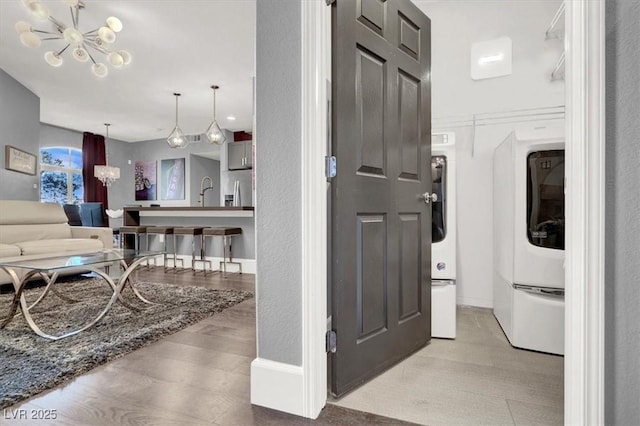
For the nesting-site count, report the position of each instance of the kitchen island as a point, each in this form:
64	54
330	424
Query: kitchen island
240	217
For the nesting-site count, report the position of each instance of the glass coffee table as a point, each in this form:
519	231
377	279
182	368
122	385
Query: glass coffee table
50	268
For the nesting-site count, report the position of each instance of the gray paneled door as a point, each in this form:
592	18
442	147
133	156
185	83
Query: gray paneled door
380	221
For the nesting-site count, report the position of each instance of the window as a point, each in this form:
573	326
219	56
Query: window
545	199
61	175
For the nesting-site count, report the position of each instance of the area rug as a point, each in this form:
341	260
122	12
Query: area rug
30	364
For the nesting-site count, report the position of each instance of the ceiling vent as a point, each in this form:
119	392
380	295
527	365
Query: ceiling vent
194	138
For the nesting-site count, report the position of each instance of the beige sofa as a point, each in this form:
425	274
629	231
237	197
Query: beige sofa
30	229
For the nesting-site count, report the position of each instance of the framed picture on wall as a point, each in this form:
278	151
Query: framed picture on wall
172	179
20	161
145	180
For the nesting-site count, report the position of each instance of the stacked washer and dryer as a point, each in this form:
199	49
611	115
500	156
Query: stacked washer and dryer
529	224
443	236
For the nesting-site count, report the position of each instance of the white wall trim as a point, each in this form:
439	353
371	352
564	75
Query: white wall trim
248	265
315	39
277	385
585	171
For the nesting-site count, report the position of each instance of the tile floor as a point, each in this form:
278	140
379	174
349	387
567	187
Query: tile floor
476	379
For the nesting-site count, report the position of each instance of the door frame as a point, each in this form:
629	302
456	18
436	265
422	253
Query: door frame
584	271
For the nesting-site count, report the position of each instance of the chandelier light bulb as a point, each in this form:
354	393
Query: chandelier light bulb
29	39
22	27
80	54
115	59
107	34
114	23
99	70
72	36
53	59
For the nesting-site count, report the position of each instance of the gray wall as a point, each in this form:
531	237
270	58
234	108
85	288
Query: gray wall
622	266
20	127
278	193
158	149
201	167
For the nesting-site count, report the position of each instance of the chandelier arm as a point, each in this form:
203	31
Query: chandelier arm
65	48
51	38
43	32
91	32
59	25
88	53
77	7
73	18
93	44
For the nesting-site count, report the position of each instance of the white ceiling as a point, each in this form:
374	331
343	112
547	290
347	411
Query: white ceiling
177	46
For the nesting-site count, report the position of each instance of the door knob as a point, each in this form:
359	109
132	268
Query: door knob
429	197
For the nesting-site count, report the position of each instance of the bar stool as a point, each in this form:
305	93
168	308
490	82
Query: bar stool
135	230
226	233
166	231
192	231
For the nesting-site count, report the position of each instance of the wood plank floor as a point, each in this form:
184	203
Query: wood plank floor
197	376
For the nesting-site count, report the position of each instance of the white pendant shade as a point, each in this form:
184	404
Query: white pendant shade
116	59
53	59
114	23
107	34
38	10
126	56
22	26
99	70
29	39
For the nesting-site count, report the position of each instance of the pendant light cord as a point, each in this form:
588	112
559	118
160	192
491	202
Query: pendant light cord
106	155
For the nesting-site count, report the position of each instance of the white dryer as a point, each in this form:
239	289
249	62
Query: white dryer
443	236
529	224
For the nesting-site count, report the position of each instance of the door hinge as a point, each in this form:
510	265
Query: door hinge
330	164
331	341
330	2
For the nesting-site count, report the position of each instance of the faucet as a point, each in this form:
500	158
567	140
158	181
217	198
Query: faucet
203	189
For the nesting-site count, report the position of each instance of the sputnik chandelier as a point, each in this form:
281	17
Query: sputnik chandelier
79	43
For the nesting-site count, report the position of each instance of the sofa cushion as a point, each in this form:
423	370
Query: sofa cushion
13	234
19	212
9	250
55	247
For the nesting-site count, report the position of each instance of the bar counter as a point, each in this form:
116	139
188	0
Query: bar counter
241	217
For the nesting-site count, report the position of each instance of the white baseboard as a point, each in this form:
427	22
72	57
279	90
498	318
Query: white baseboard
277	385
474	301
248	265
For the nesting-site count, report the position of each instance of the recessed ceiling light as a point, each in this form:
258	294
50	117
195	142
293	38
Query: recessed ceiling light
231	118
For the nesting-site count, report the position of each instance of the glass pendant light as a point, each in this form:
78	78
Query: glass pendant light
214	133
177	139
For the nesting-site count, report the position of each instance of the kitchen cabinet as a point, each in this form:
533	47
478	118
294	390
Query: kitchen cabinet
239	155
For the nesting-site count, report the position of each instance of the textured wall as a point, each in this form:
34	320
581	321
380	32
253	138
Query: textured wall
622	267
278	180
20	127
